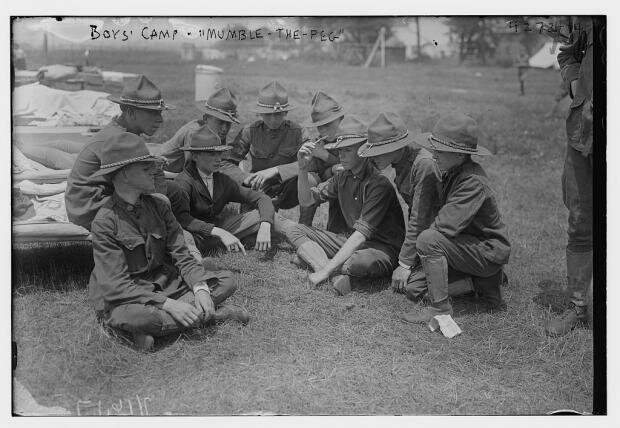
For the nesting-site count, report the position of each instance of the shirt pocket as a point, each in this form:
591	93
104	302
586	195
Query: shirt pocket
289	148
155	249
258	151
134	249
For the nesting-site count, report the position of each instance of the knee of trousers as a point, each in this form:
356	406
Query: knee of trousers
427	243
363	263
136	318
297	235
225	282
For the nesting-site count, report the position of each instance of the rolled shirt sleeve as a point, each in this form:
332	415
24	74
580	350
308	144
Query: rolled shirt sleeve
288	170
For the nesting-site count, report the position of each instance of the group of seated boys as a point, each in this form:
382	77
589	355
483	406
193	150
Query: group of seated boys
150	235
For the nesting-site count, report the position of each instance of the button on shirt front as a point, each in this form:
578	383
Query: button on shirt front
208	181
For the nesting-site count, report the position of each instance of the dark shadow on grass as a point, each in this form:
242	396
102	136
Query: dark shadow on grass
54	266
551	296
369	286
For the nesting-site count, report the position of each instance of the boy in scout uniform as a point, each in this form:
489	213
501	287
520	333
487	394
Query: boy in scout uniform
417	180
273	142
220	112
144	281
200	192
141	106
326	114
369	207
467	233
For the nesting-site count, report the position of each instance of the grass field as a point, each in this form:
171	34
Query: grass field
309	352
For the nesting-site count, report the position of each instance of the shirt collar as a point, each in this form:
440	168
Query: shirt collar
454	171
364	170
126	206
405	160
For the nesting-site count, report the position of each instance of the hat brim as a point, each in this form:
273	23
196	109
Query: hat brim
311	124
221	148
140	106
217	114
267	110
425	141
369	149
345	143
106	171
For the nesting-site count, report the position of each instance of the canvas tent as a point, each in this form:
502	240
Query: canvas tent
546	57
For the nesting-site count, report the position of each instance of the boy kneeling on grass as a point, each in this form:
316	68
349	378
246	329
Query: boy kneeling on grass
374	222
144	281
467	234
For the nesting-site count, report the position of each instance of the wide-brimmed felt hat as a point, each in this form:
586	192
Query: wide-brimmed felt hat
454	132
386	134
273	98
141	93
125	149
324	110
221	104
351	131
204	139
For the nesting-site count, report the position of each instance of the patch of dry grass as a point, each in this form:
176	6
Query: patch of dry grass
310	352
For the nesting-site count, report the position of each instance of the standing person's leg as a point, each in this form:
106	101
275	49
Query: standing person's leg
462	253
577	194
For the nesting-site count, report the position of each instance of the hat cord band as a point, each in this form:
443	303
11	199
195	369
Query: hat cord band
123	162
275	107
348	137
232	115
453	144
389	140
131	100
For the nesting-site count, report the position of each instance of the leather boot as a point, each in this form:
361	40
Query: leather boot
579	277
232	312
425	315
299	262
342	285
489	290
143	341
461	286
312	253
436	271
306	214
578	271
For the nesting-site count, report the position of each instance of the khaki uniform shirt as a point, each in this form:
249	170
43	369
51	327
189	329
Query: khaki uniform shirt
140	255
